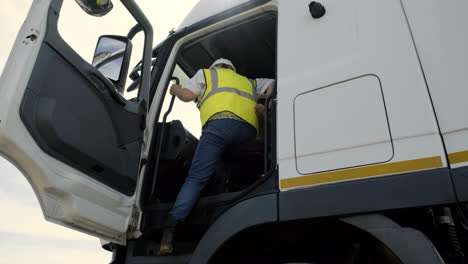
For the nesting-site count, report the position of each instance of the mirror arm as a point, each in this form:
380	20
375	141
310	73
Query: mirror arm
134	74
134	9
134	30
133	85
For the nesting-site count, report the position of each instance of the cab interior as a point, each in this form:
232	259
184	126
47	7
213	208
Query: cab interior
251	46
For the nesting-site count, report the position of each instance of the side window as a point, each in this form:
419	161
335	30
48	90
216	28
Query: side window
82	31
184	79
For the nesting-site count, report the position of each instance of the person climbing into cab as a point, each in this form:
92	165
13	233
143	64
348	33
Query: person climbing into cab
228	113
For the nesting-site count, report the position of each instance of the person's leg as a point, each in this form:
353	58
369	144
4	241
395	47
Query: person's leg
205	161
215	136
243	132
237	133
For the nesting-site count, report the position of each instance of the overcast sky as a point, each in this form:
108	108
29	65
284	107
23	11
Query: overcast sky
25	237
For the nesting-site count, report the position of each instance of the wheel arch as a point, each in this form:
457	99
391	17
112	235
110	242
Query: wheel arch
245	214
372	237
409	244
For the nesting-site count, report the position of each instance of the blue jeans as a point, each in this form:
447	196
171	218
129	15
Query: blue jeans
216	135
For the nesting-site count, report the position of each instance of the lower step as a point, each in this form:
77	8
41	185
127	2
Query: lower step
172	259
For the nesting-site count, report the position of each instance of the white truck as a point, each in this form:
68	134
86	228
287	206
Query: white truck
364	158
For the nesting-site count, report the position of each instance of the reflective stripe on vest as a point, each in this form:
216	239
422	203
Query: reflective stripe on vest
236	95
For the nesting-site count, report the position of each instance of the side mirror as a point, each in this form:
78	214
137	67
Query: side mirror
112	59
95	7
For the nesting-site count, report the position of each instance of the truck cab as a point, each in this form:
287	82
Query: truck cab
363	156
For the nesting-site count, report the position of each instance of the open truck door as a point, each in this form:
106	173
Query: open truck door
65	126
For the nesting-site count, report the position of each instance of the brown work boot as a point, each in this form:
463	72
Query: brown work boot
167	239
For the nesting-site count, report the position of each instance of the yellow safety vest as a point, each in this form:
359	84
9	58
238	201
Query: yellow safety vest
228	91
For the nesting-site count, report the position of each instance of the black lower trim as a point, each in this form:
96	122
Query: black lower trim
460	181
376	194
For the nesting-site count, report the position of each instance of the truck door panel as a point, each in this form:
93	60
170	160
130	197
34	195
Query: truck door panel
73	118
63	126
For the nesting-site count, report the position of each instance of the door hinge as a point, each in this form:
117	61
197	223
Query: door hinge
133	221
133	231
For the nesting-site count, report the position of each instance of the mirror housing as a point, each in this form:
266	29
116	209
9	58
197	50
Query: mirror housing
96	7
112	59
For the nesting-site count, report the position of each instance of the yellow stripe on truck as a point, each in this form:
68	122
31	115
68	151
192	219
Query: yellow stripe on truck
458	157
363	172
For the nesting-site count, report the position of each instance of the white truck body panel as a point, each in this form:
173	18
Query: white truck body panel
353	39
441	38
206	8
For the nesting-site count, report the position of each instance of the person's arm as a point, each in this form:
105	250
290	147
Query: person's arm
260	108
264	87
183	94
270	88
193	89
